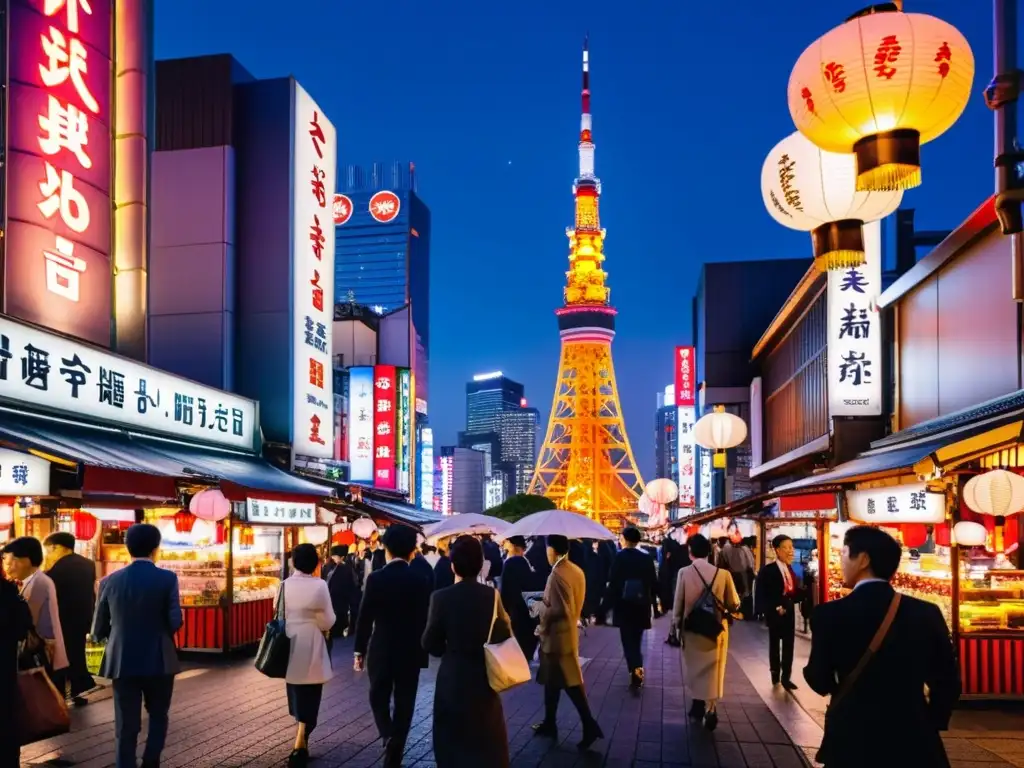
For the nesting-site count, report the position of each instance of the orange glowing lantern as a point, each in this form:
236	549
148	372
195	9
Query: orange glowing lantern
879	86
183	521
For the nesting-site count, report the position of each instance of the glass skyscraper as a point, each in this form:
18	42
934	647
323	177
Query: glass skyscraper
487	395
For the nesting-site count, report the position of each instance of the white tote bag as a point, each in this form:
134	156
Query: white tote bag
506	663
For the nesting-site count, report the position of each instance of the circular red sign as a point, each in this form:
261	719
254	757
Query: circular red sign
342	209
384	206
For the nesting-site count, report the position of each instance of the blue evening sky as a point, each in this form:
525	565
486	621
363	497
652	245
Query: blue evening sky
688	97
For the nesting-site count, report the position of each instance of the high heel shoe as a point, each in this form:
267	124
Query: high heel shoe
697	710
591	734
711	720
299	758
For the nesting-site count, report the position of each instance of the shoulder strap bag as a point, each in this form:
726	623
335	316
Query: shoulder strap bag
275	646
851	679
506	663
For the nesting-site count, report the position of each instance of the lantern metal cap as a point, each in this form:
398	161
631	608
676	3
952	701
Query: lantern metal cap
888	161
838	244
895	7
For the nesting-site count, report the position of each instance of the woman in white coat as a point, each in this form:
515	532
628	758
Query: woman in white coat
705	658
308	616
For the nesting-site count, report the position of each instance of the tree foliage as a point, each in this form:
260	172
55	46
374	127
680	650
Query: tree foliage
519	506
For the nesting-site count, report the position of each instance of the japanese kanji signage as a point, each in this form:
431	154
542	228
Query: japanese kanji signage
314	172
385	427
686	418
265	512
896	504
360	424
22	474
58	374
854	333
686	374
57	243
404	420
707	489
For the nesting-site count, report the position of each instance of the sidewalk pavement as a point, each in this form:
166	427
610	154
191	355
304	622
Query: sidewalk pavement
226	714
989	736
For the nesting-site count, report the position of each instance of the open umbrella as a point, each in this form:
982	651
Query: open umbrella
470	522
558	522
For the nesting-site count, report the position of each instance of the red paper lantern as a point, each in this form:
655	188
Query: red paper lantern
942	537
344	537
84	524
183	521
222	532
914	535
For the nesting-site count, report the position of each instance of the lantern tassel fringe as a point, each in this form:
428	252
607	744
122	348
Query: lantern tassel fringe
839	260
889	177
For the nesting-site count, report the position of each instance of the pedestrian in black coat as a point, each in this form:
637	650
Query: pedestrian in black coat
419	565
778	590
443	576
341	583
519	577
15	622
74	578
884	719
492	554
632	596
469	724
392	616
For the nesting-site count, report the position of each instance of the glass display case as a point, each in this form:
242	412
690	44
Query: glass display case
991	599
257	562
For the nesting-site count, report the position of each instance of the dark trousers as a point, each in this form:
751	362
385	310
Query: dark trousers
76	679
577	695
632	637
129	695
304	703
401	686
780	645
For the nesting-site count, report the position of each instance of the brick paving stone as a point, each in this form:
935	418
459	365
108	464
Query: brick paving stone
227	715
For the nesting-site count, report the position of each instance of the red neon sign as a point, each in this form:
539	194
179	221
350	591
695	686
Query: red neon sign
385	442
686	377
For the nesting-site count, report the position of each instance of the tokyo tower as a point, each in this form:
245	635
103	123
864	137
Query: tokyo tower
586	464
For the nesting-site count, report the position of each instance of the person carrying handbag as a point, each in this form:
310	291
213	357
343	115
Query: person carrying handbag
874	652
705	598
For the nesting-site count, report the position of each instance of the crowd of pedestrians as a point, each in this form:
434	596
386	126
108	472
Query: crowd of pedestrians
403	603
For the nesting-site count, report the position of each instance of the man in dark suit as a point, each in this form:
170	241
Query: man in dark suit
377	557
341	583
632	596
778	591
392	617
517	577
883	716
419	565
443	576
74	577
492	554
137	614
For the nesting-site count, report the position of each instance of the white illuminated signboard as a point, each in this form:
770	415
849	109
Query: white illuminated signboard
686	418
22	474
263	511
360	424
896	504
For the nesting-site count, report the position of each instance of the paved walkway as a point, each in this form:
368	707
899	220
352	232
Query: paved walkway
226	714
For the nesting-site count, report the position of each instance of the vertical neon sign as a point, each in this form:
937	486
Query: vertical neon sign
385	427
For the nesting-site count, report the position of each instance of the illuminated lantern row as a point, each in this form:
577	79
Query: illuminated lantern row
880	86
810	190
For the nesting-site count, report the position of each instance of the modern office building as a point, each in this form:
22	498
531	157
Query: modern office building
461	481
487	396
517	431
666	438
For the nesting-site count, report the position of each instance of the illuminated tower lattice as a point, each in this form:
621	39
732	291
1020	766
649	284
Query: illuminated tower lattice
585	463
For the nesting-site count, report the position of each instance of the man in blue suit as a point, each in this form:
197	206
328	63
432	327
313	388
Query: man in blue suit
137	614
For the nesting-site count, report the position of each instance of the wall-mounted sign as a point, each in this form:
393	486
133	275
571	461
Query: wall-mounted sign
385	427
686	377
360	425
706	484
426	466
59	374
404	421
58	167
686	418
446	473
314	172
855	334
896	504
265	512
22	474
341	209
384	206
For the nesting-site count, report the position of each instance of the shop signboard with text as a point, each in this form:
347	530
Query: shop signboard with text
686	377
385	426
855	333
56	263
912	503
22	474
360	424
314	171
686	419
406	448
61	375
268	512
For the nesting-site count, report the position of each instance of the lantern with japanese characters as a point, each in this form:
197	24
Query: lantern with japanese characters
879	86
811	190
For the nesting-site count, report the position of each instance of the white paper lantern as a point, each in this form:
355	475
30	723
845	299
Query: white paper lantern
879	86
719	431
210	505
314	534
997	492
810	190
325	516
967	533
364	527
645	504
662	490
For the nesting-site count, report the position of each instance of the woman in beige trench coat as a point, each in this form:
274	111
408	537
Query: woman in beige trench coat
705	658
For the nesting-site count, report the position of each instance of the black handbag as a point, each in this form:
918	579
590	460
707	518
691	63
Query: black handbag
275	647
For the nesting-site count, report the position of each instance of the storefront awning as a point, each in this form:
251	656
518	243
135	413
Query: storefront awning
750	505
401	513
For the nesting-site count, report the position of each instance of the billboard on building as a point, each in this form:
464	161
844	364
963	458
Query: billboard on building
855	334
385	427
314	172
57	242
686	378
686	447
360	424
406	444
446	465
426	467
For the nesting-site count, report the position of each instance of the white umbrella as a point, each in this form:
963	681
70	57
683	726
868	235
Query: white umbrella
470	522
558	522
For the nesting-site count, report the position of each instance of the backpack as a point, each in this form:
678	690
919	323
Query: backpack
706	616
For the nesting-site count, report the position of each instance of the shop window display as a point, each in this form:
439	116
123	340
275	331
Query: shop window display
991	582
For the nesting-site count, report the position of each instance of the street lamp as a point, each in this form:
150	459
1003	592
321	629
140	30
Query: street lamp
719	431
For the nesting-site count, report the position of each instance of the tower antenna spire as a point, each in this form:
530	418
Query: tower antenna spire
586	147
